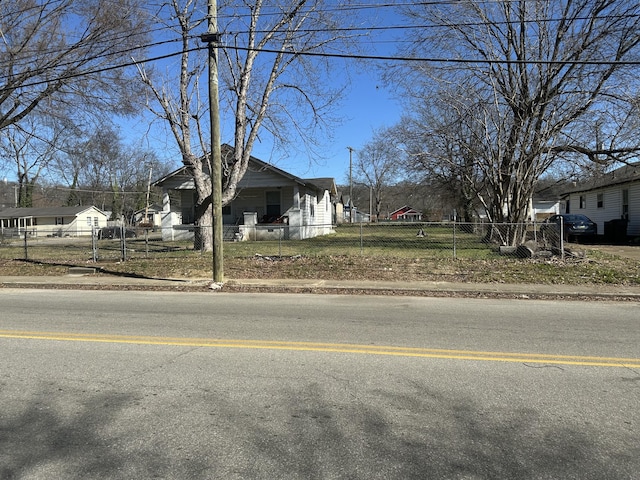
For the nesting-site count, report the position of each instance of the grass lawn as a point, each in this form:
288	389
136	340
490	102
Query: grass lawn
353	252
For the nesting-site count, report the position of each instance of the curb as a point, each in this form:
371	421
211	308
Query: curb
320	287
444	291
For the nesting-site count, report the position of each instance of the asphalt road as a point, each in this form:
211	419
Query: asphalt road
124	385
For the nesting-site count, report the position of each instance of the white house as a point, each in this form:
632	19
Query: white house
540	209
613	196
270	204
152	215
52	221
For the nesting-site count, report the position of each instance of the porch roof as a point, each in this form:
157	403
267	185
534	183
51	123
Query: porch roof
35	212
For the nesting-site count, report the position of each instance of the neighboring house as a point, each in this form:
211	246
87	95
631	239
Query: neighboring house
343	208
540	209
153	216
347	212
405	214
614	196
52	221
270	204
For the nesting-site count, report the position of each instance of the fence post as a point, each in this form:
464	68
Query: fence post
123	244
562	238
26	246
455	217
94	244
361	240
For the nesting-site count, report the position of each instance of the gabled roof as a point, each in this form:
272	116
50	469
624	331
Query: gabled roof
628	173
405	209
318	183
325	183
154	207
23	212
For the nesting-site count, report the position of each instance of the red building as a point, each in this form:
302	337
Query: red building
406	214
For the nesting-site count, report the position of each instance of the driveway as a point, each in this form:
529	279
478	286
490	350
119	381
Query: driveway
625	251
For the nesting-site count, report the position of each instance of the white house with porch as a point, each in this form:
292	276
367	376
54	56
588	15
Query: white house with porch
270	204
52	221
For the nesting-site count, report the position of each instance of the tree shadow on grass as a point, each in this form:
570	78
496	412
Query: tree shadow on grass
101	270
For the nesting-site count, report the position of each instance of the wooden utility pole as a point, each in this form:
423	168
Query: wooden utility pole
212	38
350	184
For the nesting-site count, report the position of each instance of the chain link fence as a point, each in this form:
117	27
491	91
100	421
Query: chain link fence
440	239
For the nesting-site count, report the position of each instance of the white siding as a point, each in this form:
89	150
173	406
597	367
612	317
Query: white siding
612	208
298	201
634	209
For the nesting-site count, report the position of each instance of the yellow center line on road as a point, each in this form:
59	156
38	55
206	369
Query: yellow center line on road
330	347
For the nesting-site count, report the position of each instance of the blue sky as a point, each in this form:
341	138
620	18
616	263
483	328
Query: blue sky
367	106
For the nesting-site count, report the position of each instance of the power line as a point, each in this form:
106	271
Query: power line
386	58
121	35
440	60
100	70
348	56
103	192
383	28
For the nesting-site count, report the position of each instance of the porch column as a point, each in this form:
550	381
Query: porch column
165	217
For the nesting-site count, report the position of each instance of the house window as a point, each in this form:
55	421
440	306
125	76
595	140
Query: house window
625	203
95	222
273	204
600	200
59	221
89	221
583	201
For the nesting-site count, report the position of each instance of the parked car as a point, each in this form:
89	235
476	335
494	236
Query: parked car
573	225
115	232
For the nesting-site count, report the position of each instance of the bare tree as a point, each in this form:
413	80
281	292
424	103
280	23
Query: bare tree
440	140
30	148
59	70
103	170
58	56
269	86
378	165
531	81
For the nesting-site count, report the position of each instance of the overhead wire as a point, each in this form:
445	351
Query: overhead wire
388	58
